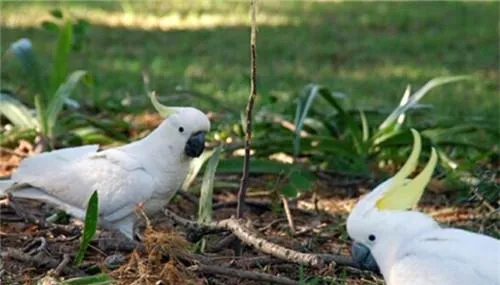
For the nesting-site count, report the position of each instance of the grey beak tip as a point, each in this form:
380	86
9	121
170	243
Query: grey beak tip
363	257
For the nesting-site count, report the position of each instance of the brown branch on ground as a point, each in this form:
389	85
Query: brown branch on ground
264	205
251	100
250	238
38	260
59	269
223	243
25	214
256	261
244	274
289	216
189	196
35	246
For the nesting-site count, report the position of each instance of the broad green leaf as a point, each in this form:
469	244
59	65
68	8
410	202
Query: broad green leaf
50	26
301	180
289	191
99	279
90	226
56	13
61	58
16	112
62	93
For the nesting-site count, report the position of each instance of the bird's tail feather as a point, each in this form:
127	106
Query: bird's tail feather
5	185
37	194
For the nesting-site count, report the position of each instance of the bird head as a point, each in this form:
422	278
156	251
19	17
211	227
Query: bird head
384	215
186	126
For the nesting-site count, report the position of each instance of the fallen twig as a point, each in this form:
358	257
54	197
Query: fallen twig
35	246
26	215
256	261
265	205
263	277
289	216
37	260
189	196
59	269
249	238
223	243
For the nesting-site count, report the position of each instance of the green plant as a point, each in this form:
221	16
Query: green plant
207	190
49	94
348	133
90	226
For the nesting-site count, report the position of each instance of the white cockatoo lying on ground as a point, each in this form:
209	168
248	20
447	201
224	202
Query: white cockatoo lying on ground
409	247
150	170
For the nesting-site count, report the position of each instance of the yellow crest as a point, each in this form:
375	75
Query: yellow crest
164	111
405	193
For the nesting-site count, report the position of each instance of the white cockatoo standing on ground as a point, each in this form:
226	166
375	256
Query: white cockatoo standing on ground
409	247
150	170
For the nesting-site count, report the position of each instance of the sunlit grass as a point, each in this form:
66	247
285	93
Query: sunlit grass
369	51
146	17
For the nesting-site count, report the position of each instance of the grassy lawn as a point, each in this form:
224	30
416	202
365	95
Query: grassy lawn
369	51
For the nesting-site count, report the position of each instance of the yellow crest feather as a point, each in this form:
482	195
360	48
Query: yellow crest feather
404	193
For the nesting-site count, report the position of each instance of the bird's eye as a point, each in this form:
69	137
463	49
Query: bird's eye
181	129
371	238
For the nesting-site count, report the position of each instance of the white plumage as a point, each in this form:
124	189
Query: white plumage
150	170
409	247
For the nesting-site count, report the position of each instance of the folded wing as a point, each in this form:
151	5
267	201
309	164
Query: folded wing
68	177
446	257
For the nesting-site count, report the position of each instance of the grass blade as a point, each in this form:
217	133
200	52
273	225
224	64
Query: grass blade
63	92
207	191
404	101
90	227
195	167
311	91
364	125
16	112
301	113
61	58
99	279
207	187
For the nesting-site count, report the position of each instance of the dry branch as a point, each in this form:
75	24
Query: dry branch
248	237
251	238
263	277
38	260
251	100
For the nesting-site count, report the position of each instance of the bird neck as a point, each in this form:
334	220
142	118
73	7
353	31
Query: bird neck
400	229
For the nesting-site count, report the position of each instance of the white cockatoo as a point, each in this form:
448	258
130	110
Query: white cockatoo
148	171
409	247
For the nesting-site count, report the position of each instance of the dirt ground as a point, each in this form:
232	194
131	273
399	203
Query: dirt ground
32	247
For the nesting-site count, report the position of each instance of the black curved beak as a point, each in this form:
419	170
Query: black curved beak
362	256
195	145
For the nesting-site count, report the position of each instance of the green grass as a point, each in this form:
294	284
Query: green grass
369	51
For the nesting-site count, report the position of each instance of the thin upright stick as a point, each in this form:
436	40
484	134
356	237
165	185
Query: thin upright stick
251	99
